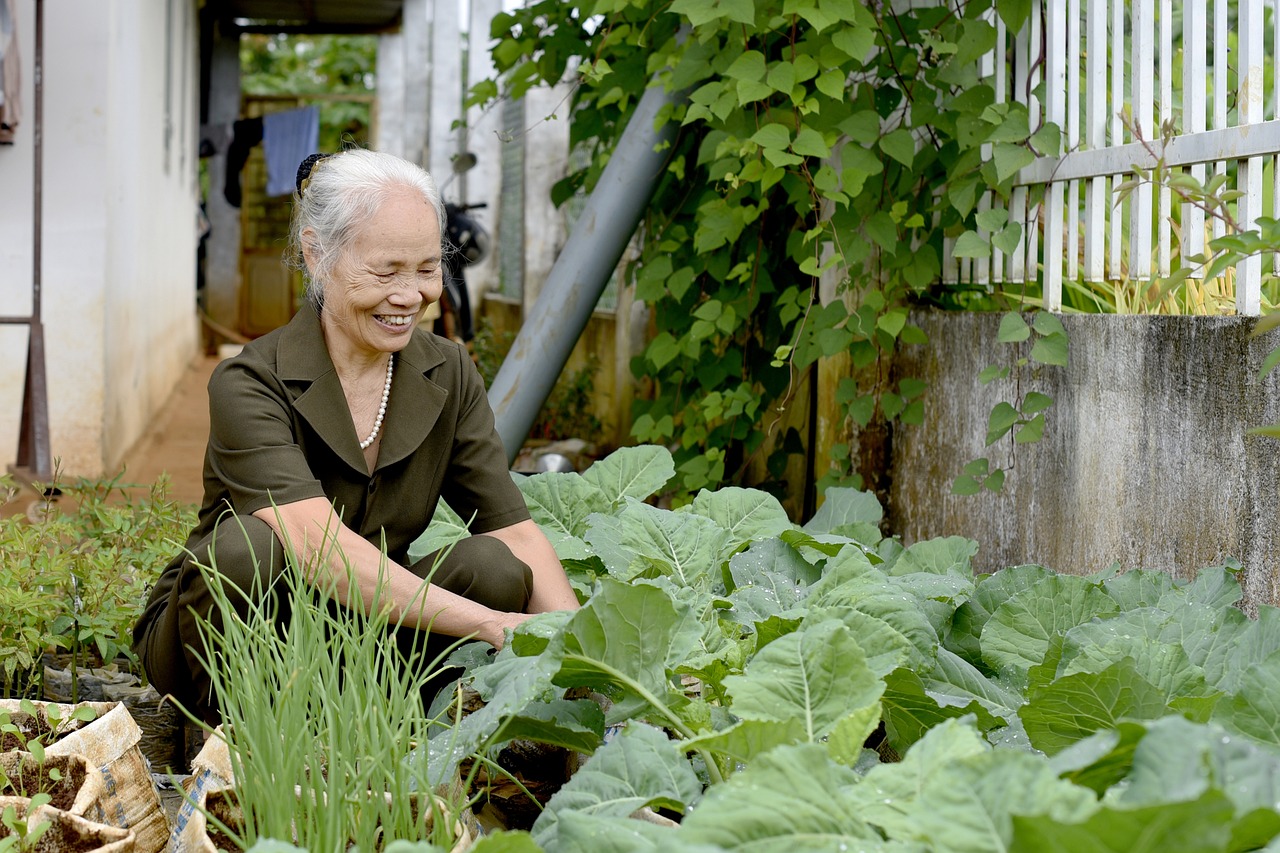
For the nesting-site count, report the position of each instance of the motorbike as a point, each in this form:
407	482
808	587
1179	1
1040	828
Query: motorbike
467	244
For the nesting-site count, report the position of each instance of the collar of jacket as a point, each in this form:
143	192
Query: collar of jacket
412	410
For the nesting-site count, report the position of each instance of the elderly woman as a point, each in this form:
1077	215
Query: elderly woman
345	428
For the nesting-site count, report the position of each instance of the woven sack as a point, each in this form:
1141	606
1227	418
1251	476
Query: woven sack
69	832
110	743
81	789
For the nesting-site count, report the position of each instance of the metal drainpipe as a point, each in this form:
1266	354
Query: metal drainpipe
582	270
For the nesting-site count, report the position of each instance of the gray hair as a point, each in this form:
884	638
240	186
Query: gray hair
342	192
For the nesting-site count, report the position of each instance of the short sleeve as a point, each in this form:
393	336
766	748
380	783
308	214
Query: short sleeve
253	443
478	481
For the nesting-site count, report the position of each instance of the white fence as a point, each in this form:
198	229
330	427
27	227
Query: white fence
1096	58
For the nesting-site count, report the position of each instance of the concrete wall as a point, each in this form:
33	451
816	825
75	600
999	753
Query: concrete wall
119	229
1145	459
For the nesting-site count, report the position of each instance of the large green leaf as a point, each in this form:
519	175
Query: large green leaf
1179	760
842	507
873	594
446	528
888	794
641	767
1208	635
793	798
968	805
508	685
585	832
1135	635
1139	588
1215	586
632	472
744	741
1102	759
817	675
631	636
505	842
1199	826
561	502
770	577
576	724
1072	708
992	591
1253	644
645	541
1017	635
911	710
748	514
950	555
955	676
1254	709
885	647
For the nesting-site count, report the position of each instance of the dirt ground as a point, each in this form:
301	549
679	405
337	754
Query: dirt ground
174	444
176	440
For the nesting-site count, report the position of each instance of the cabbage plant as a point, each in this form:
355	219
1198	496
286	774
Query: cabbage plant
775	686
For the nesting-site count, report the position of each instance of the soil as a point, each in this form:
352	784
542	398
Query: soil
61	837
34	779
29	727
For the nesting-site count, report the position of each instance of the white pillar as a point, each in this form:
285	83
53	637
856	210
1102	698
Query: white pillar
484	182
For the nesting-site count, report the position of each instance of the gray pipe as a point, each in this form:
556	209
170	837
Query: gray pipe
582	270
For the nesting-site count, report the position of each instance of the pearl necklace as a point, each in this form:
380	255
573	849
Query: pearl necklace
382	409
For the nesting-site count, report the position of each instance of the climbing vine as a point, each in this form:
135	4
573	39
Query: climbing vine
825	149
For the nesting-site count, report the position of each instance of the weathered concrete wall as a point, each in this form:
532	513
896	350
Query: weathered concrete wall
1145	459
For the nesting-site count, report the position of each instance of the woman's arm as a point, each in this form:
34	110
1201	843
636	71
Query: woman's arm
551	590
323	542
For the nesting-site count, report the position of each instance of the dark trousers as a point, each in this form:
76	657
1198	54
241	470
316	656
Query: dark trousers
249	556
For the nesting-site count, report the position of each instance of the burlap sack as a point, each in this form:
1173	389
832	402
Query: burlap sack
71	832
211	777
110	743
81	790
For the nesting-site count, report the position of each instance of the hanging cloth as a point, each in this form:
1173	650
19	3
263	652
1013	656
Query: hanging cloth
288	137
10	74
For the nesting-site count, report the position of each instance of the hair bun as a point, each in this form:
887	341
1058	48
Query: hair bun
304	171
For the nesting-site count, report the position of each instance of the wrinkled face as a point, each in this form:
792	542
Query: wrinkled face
382	285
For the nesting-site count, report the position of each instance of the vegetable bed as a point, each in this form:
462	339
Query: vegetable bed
764	677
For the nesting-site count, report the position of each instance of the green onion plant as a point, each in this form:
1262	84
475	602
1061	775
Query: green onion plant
318	714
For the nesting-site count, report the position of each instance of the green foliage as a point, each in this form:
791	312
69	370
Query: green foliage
824	145
280	64
77	580
1127	710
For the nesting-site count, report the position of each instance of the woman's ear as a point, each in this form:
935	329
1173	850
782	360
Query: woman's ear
307	238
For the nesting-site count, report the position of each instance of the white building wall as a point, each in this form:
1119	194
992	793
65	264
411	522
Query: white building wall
119	225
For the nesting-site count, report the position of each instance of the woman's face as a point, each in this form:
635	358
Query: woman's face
389	275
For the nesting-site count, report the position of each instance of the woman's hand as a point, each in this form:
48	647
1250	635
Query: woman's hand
495	631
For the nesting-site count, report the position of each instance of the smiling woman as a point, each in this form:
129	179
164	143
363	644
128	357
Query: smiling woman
336	436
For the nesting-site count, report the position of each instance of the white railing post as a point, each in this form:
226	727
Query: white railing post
1095	99
1195	82
1072	136
1164	205
1249	175
1143	97
1056	112
1115	269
